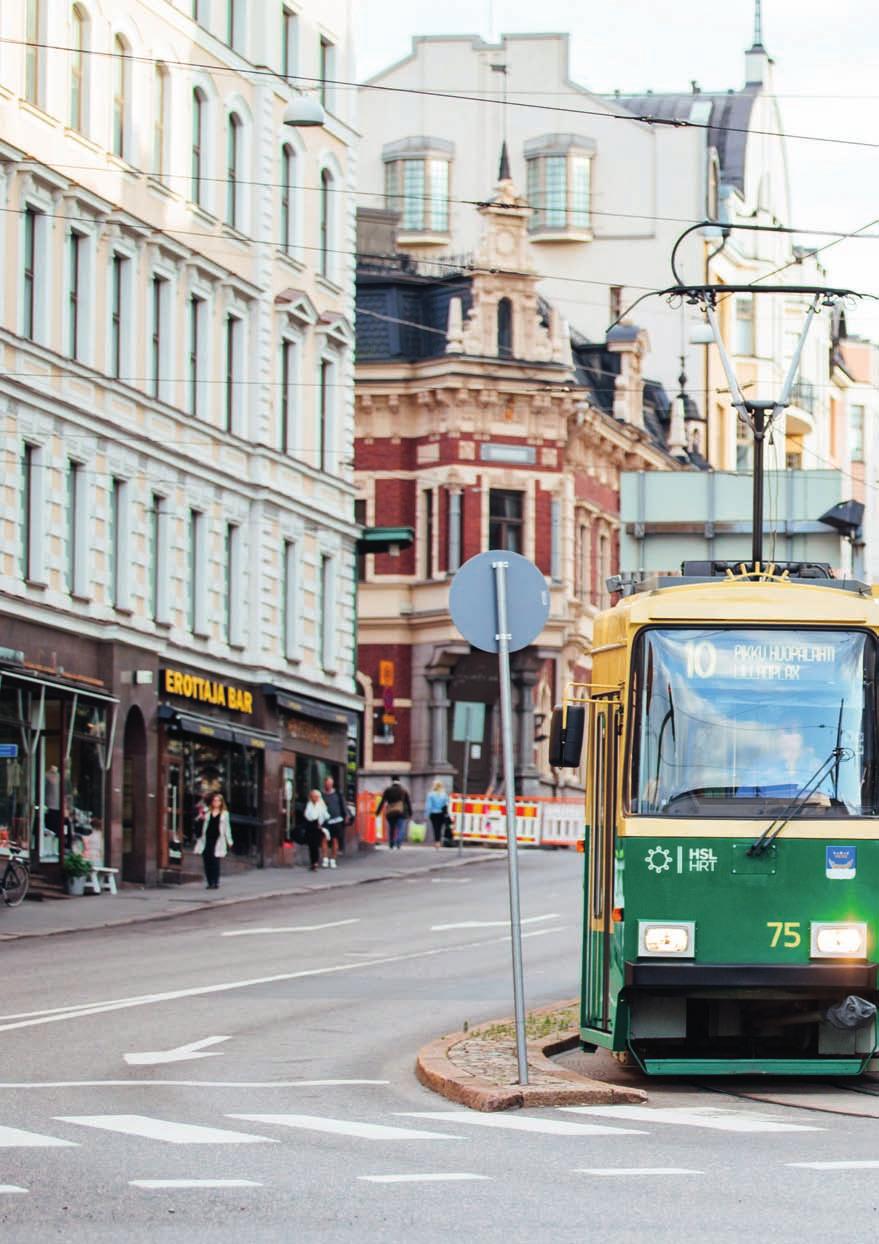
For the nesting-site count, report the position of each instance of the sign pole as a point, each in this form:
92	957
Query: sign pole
503	641
464	797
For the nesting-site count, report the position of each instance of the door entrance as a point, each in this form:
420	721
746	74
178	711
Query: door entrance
598	924
134	798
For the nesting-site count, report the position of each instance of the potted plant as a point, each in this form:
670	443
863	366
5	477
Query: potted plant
76	869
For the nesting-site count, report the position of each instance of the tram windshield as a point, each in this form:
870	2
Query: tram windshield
737	722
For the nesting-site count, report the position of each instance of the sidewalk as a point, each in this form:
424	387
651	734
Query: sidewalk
133	904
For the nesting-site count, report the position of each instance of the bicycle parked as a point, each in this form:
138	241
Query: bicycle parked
15	878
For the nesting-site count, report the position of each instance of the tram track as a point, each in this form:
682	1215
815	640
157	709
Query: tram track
810	1107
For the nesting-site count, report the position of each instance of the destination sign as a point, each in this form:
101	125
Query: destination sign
762	661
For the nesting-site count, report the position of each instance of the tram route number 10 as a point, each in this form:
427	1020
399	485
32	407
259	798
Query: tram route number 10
786	932
701	659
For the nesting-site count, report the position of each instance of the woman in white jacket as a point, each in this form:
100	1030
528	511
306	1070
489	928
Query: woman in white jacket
316	833
215	840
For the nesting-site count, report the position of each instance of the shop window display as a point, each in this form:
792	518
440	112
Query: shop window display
236	772
14	767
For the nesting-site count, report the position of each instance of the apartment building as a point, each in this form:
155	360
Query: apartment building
177	536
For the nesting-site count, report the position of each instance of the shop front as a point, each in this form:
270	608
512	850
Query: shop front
56	742
208	744
317	741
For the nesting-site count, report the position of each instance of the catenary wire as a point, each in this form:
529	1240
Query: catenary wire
322	82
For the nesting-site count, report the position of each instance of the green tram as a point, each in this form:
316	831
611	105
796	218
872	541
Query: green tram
732	851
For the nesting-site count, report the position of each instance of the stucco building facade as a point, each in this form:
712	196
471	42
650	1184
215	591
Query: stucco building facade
177	555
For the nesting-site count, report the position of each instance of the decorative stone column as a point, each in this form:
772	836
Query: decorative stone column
439	718
527	773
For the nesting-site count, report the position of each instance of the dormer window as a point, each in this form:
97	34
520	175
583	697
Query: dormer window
417	187
559	187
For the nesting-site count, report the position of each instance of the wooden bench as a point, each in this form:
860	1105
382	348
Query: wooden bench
102	880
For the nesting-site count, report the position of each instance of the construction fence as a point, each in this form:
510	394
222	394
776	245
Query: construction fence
481	819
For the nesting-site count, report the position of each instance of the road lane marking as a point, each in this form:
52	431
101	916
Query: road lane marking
14	1138
31	1019
635	1170
700	1116
434	1178
248	1084
344	1127
866	1165
520	1123
450	880
194	1183
489	924
291	928
180	1054
164	1129
11	1188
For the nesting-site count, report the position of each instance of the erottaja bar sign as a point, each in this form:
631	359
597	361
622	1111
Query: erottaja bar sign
207	691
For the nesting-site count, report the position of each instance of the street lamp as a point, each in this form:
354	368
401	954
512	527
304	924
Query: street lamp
304	111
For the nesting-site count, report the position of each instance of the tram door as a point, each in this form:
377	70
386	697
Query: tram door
603	755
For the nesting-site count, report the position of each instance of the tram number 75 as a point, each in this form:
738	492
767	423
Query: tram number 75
787	932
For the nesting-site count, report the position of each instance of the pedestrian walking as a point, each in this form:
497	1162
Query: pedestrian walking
214	840
436	809
398	808
316	832
336	821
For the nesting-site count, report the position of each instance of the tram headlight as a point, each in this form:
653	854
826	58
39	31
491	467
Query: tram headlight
839	941
675	939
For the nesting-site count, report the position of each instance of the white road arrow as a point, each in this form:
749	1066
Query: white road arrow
182	1054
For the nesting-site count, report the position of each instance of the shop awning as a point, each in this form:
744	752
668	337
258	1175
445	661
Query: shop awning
306	707
54	684
211	728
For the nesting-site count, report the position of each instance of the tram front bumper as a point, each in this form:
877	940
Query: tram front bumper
657	974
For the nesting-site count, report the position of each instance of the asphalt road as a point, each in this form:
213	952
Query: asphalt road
302	1120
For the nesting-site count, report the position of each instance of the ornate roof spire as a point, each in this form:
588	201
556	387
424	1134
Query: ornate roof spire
504	167
758	24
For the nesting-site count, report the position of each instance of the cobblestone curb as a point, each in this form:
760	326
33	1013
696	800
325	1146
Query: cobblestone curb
481	1072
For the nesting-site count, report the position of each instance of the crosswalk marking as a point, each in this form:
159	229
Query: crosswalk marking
193	1183
434	1177
14	1138
635	1170
164	1129
698	1116
11	1188
345	1127
865	1165
521	1123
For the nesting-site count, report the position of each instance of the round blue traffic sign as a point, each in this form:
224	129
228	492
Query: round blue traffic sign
473	600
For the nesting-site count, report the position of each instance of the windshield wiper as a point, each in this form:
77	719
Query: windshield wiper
803	795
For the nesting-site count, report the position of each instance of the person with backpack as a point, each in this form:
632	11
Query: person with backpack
336	822
398	808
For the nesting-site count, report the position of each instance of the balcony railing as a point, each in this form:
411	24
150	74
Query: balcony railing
806	395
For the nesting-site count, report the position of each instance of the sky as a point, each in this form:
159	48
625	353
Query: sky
825	78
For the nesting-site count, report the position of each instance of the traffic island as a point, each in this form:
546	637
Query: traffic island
478	1067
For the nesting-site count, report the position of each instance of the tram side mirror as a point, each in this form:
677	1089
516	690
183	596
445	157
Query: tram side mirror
566	736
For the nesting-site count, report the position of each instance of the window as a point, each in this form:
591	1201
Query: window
505	329
856	433
196	555
120	97
77	68
555	537
118	293
234	587
199	101
323	413
289	42
286	442
74	260
559	183
327	72
427	533
715	738
231	22
417	185
584	564
196	314
454	529
744	324
360	520
26	538
158	330
326	189
603	569
29	303
505	520
74	515
233	140
233	346
157	559
616	302
290	601
160	121
32	35
288	177
326	617
117	544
